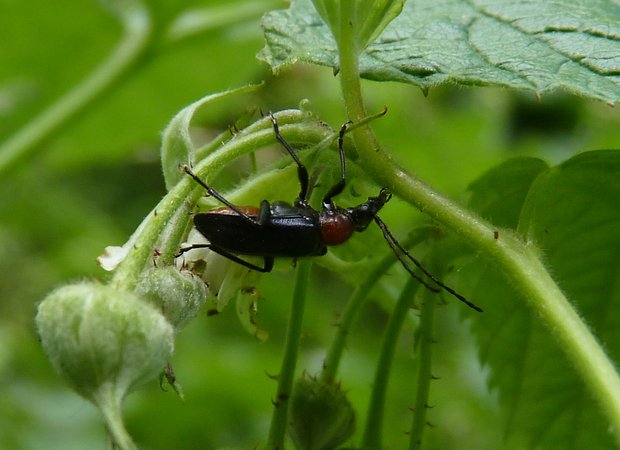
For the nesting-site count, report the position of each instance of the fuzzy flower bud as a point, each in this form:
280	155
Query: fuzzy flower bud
321	416
179	295
98	337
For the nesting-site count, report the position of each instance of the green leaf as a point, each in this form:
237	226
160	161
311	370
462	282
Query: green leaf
375	16
499	194
177	145
570	212
330	13
538	46
370	17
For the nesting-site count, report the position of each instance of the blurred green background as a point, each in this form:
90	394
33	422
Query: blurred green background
90	184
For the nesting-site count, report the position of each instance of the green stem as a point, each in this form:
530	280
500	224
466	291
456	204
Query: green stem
128	272
529	275
334	354
279	418
109	402
373	432
518	260
137	28
173	233
427	319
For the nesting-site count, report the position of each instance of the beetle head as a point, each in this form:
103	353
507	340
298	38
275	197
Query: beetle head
363	214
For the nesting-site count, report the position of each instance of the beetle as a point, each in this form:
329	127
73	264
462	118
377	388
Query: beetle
297	230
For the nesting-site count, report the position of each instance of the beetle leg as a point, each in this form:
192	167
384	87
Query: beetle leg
328	203
267	260
191	247
339	186
302	172
264	213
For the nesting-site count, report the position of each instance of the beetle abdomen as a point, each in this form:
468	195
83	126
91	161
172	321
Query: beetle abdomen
285	236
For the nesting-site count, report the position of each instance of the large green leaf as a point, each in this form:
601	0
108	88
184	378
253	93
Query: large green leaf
534	45
570	212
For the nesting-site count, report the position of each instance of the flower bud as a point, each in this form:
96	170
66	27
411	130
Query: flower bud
178	294
100	338
321	415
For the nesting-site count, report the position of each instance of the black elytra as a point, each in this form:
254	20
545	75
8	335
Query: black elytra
280	229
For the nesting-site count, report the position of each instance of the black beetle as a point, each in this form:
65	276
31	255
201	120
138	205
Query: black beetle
280	229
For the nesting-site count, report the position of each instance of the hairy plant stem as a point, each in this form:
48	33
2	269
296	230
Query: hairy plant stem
517	259
109	402
279	418
424	375
373	431
353	305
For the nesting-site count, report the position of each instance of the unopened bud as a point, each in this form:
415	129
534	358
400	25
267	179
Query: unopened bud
96	336
321	415
177	294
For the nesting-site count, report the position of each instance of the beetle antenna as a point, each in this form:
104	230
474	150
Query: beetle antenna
213	193
402	253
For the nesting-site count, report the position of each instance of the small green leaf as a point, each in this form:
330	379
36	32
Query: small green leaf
330	13
371	17
535	45
374	17
570	212
177	145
